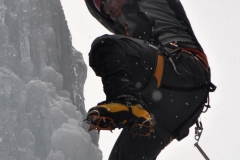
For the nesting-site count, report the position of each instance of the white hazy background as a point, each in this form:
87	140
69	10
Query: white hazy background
216	25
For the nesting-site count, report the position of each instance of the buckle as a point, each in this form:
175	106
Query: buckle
198	130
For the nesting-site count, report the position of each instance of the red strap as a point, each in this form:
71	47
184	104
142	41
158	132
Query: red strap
201	54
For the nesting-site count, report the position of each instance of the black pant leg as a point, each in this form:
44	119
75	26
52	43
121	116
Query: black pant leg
113	67
128	147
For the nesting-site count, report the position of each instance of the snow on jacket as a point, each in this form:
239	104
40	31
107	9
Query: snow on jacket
156	21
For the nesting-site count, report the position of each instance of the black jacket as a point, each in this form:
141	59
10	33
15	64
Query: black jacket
157	21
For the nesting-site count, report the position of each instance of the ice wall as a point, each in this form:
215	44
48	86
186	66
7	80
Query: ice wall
41	86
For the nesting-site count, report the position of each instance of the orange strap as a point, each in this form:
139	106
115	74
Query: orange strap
159	70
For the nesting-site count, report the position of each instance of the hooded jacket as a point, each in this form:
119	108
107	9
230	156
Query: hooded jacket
157	21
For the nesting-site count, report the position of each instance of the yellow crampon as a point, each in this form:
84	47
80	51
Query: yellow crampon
115	115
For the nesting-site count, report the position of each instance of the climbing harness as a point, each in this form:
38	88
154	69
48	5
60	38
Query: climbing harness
172	56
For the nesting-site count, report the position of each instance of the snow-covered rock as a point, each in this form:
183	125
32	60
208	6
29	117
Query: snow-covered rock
41	86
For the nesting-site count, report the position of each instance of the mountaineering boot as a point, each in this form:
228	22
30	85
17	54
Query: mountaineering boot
115	115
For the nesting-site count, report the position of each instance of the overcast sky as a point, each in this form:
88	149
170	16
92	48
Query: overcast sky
216	25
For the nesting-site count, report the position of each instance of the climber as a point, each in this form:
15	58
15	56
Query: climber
155	75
